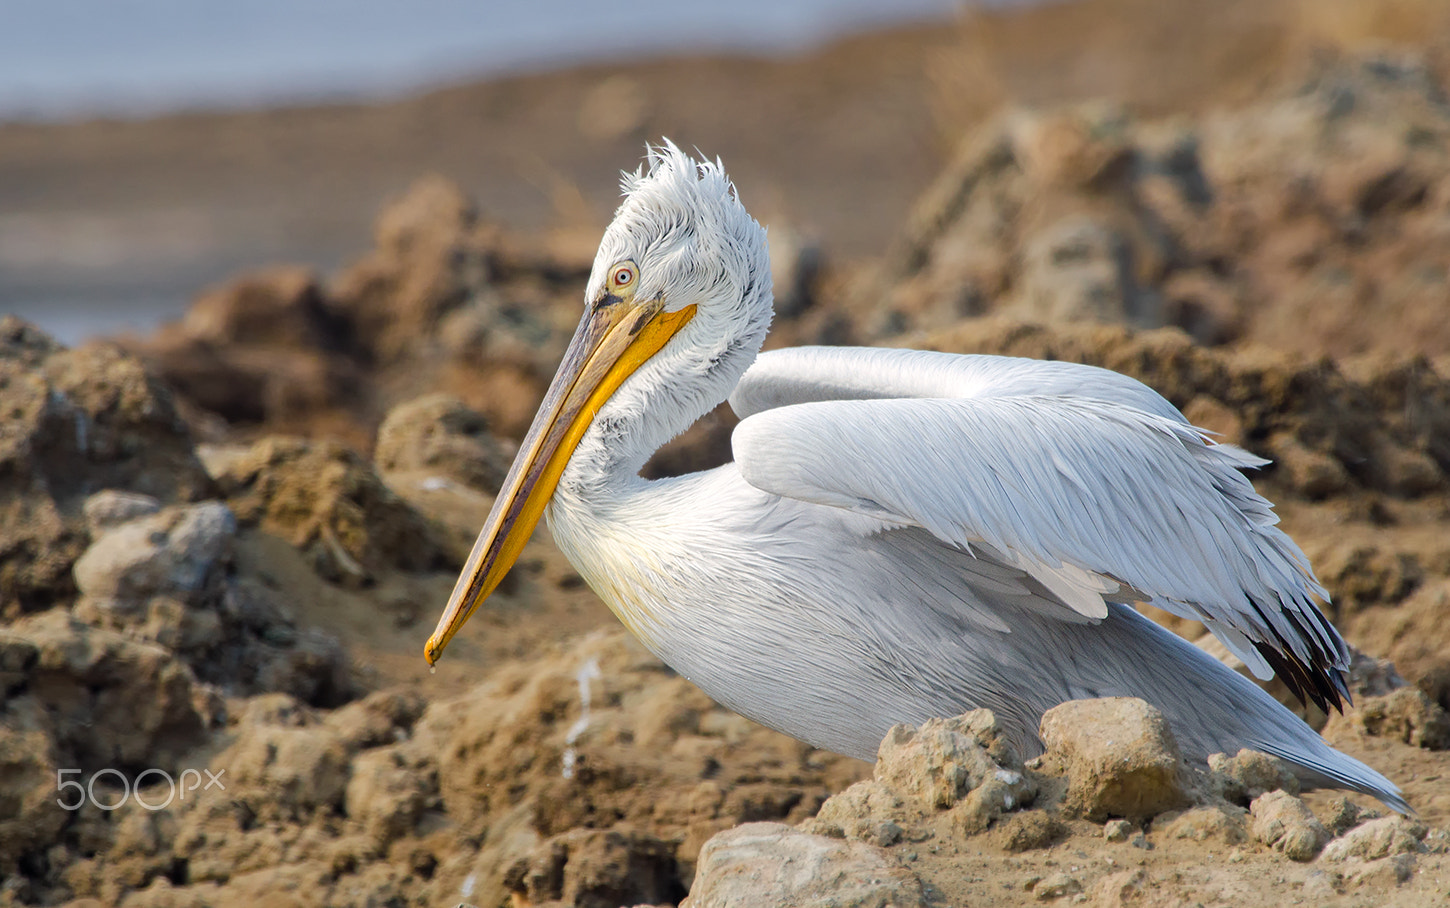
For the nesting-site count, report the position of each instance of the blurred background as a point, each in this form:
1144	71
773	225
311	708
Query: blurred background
157	145
153	147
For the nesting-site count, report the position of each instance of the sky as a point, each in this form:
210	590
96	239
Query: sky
62	58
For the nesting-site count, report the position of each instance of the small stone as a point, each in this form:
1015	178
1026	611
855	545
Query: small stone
774	864
1377	839
1286	824
1030	830
884	834
173	552
1004	791
1117	830
860	811
1213	823
936	764
1056	886
114	507
1248	774
1343	815
1119	756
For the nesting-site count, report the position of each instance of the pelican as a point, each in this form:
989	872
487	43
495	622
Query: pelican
902	534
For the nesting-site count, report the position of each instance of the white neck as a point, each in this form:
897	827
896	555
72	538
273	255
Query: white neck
694	373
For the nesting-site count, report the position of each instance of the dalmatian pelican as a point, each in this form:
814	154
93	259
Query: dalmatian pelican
902	534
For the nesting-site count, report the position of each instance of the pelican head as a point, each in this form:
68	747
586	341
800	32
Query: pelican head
677	305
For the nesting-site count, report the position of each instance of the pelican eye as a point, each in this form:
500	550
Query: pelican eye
622	276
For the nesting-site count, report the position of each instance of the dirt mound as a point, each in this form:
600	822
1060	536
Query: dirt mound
264	349
329	503
443	300
438	434
533	782
75	422
1310	221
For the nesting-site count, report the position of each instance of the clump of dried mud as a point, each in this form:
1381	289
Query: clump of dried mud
202	582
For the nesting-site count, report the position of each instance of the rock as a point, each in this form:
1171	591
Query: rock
1119	757
773	864
1405	715
75	422
17	658
1004	791
1117	830
1055	886
594	868
1217	823
382	717
868	811
113	701
1383	875
1343	815
287	773
1315	474
327	501
1284	823
936	764
1248	774
168	578
177	552
1075	270
1307	220
1030	830
1375	839
281	306
1364	574
439	434
112	507
388	791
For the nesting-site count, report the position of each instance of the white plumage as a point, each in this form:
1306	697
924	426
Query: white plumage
902	534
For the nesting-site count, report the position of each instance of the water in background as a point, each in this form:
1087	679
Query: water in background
61	58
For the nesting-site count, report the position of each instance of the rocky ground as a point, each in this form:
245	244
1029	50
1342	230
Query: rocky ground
222	546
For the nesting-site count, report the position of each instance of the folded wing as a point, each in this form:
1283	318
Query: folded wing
1087	480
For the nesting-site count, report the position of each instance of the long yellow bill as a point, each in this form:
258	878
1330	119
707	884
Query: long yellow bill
613	340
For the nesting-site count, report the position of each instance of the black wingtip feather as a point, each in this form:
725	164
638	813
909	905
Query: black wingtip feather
1324	687
1320	680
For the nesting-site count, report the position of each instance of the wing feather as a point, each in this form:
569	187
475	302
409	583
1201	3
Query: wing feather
1087	480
